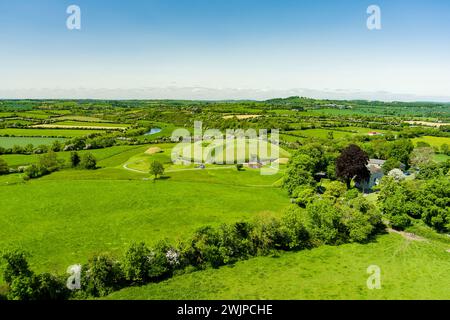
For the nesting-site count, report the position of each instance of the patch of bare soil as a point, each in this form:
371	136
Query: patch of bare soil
407	235
153	150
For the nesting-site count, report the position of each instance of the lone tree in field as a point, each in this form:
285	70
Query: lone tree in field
156	169
74	159
3	167
88	162
352	165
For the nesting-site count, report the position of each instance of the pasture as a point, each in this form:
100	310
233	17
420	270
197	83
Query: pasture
433	141
322	273
83	125
66	217
63	133
9	142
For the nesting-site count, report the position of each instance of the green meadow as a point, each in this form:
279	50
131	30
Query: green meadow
65	133
68	216
9	142
90	124
409	270
432	141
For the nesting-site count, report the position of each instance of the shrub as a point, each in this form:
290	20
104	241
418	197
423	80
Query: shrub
304	195
235	242
88	161
391	164
4	169
163	260
204	249
74	159
358	226
50	287
323	222
136	264
399	222
48	163
298	235
22	288
268	235
101	275
335	190
16	265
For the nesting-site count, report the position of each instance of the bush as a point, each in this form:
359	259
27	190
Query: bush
163	260
399	222
268	235
88	162
22	288
50	287
304	195
101	276
204	249
4	169
358	226
16	266
136	264
298	235
74	159
323	222
235	242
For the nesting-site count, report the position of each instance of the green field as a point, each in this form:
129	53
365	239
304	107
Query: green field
90	124
9	142
441	157
107	155
409	270
433	141
80	118
66	217
64	133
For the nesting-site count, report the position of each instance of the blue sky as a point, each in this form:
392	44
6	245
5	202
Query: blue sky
225	49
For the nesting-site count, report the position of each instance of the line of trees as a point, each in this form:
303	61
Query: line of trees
325	221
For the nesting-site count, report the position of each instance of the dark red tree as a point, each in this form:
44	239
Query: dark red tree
352	165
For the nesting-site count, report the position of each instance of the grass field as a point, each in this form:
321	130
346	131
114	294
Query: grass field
441	157
80	118
433	141
105	157
65	133
64	218
9	142
409	270
86	125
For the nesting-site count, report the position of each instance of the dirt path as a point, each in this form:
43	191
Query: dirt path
407	235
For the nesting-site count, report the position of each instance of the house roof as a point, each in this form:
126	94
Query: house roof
377	162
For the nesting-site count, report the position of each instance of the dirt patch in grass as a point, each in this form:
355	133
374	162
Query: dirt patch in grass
408	235
153	150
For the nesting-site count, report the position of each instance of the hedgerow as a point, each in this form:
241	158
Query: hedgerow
328	221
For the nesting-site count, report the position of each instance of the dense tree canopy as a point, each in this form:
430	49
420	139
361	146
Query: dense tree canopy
352	165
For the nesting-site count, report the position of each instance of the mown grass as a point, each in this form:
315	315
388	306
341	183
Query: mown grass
64	133
409	270
66	217
105	157
433	141
9	142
